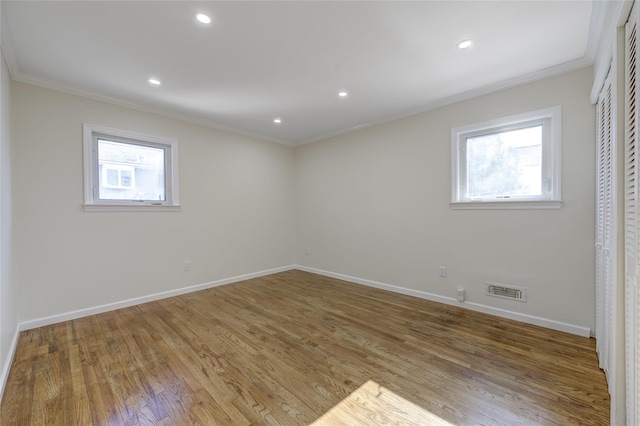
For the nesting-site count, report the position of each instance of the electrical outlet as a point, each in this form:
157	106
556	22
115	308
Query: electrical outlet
443	271
186	266
307	251
460	294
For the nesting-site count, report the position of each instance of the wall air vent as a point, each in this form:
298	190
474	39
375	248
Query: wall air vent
506	292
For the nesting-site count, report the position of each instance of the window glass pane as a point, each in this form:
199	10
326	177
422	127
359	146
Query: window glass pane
505	164
112	177
125	178
139	172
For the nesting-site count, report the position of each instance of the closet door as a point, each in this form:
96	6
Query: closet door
632	258
599	248
605	229
603	225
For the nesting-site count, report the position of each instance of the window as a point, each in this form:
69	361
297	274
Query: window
511	162
127	171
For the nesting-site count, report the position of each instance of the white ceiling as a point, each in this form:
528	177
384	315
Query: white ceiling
266	59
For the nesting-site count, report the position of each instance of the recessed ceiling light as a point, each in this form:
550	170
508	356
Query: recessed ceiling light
201	17
464	44
277	120
343	93
154	81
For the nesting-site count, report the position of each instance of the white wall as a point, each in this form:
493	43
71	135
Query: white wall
236	195
374	204
8	312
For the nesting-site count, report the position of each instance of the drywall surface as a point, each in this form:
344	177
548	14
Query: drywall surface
374	204
236	195
8	312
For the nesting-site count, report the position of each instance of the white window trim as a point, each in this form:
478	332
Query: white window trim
91	169
551	163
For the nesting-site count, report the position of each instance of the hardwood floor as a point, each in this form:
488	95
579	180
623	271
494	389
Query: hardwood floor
297	348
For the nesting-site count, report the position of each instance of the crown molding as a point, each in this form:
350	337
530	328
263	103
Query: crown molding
492	88
604	14
471	94
606	17
53	85
6	46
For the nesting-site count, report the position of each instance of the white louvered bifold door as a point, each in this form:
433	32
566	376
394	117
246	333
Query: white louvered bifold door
605	228
632	258
599	220
600	200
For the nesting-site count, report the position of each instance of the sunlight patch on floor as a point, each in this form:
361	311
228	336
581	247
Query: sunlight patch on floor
372	404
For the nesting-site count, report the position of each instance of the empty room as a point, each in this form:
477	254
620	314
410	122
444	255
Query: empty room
319	212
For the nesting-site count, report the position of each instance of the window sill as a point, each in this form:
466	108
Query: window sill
507	205
128	208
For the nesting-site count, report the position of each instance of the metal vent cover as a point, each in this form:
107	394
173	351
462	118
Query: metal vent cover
506	292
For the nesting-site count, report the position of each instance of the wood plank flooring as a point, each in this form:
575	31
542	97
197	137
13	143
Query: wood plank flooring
297	348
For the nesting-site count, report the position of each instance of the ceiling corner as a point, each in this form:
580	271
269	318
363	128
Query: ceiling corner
6	45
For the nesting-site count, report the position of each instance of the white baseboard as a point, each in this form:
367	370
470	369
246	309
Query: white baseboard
40	322
529	319
4	375
53	319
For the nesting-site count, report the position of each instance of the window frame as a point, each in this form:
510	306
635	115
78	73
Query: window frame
551	198
92	202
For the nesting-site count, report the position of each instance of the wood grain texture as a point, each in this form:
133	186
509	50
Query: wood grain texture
297	348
